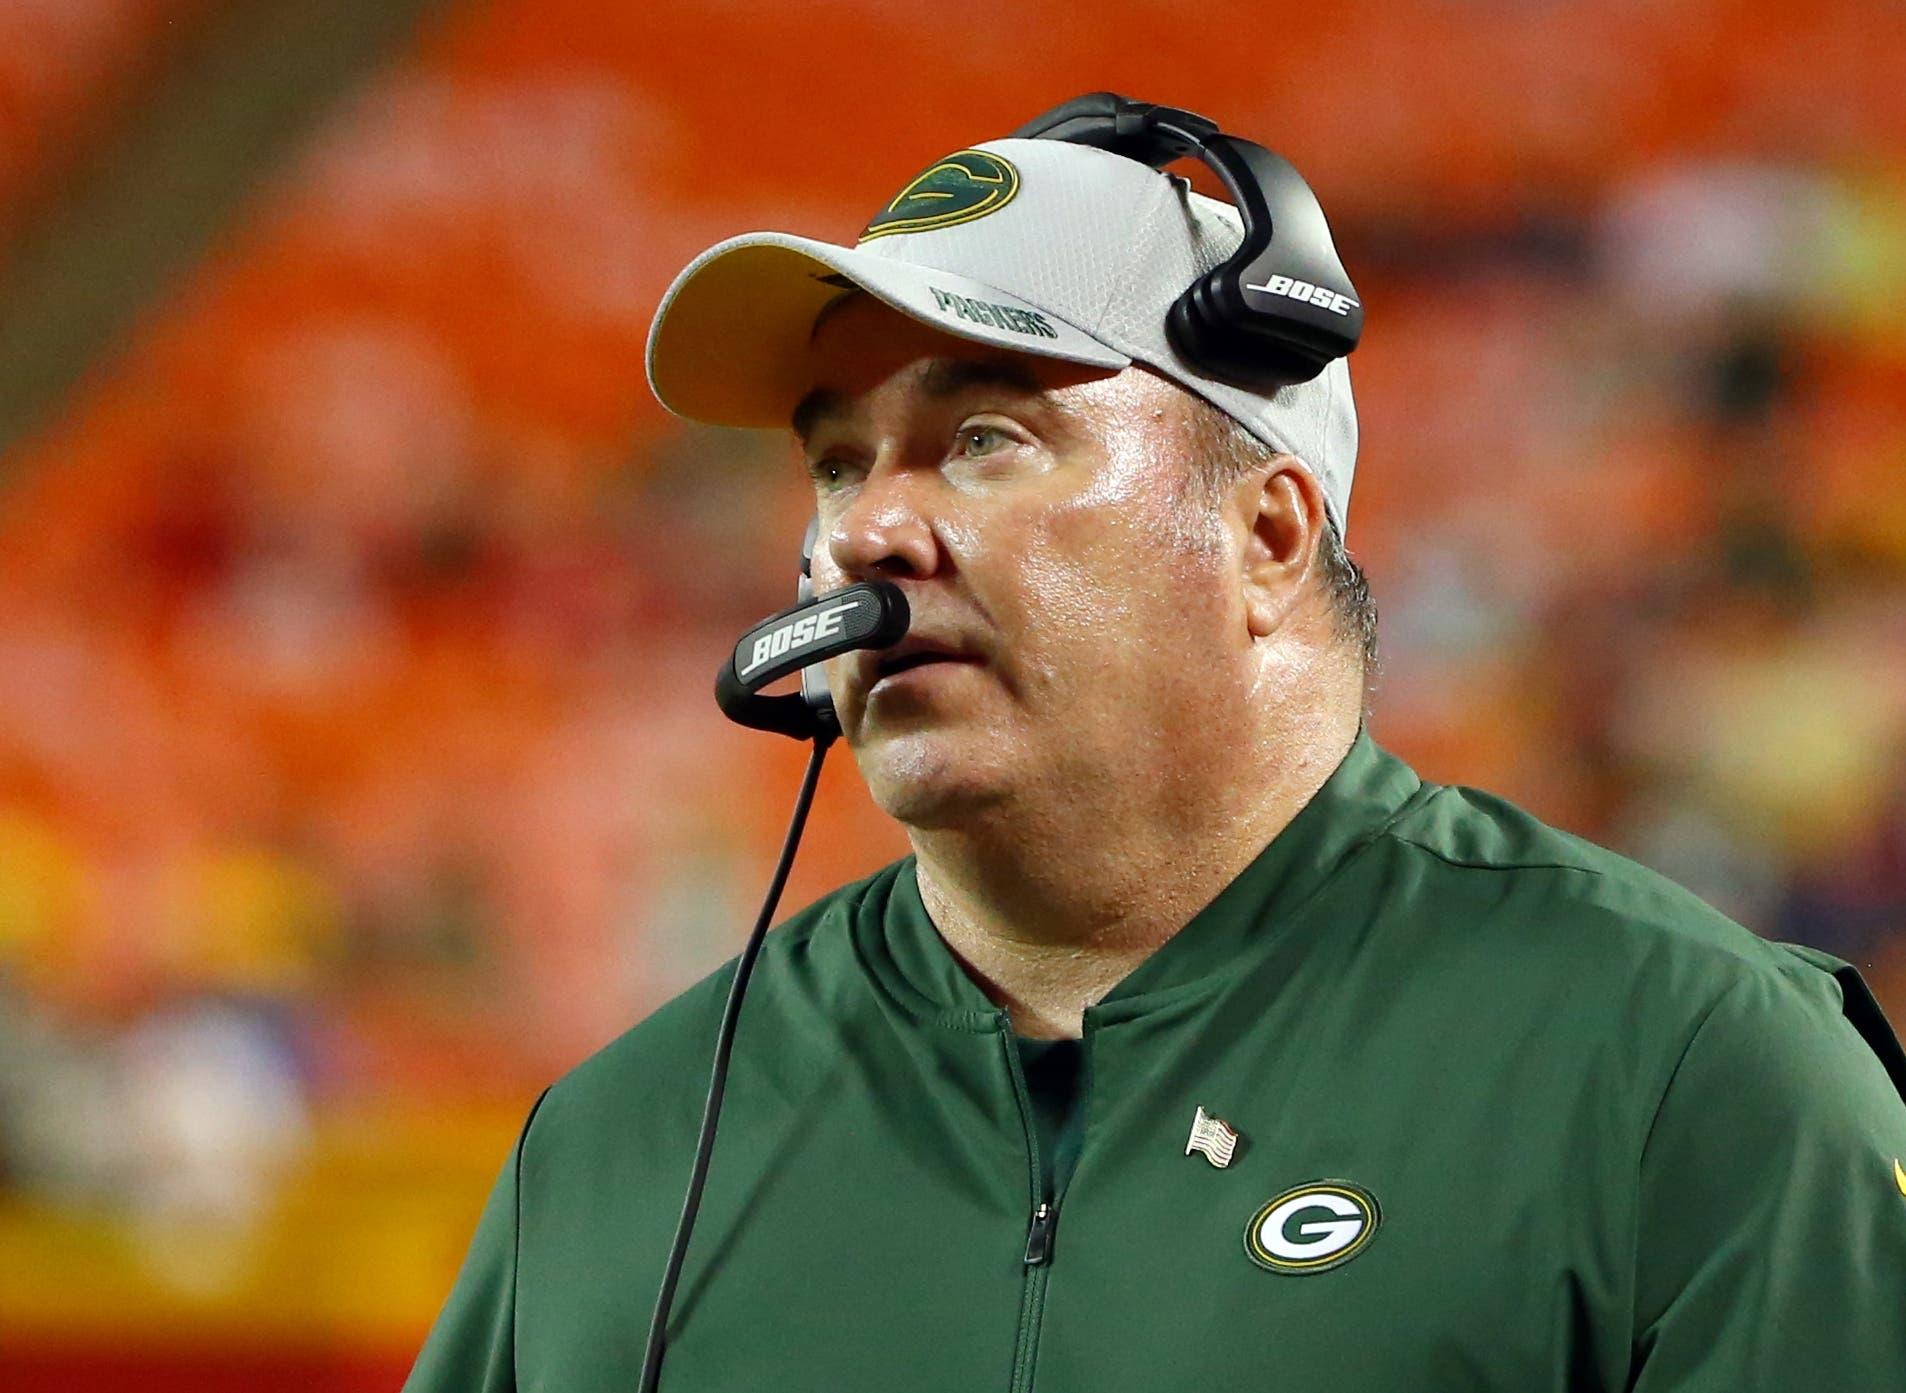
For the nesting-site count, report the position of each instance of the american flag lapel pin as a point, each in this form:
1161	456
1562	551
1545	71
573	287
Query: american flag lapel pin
1214	1137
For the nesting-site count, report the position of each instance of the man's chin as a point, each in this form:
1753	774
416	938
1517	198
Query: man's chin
924	779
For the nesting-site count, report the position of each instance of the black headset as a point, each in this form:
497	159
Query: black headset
1280	309
1277	312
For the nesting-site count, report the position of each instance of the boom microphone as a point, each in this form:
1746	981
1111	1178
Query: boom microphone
870	614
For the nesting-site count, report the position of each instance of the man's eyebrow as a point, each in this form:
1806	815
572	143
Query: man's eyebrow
809	410
948	377
944	377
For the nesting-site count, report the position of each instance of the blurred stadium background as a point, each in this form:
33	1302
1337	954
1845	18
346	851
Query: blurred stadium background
358	606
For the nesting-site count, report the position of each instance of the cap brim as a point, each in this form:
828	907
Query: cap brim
730	342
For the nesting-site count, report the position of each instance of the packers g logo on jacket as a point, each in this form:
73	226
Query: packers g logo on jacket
958	189
1313	1227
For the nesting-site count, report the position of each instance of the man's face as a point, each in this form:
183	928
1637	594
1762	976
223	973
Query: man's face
1082	596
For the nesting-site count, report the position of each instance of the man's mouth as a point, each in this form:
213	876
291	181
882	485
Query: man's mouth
911	660
911	653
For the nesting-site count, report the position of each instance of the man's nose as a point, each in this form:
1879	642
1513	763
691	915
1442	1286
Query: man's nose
884	533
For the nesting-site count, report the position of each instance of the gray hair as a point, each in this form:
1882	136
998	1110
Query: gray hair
1224	452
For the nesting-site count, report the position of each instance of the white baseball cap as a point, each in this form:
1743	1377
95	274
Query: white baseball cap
1039	246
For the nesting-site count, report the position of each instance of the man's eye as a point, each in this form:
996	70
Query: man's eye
981	440
826	473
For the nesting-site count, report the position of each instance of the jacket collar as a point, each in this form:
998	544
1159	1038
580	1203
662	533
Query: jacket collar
1366	792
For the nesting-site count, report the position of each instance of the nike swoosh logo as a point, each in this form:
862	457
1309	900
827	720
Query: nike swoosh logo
1899	1175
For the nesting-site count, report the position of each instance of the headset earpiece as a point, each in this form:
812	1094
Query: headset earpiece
1281	308
1272	314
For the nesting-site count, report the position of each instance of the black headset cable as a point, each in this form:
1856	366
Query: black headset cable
718	1080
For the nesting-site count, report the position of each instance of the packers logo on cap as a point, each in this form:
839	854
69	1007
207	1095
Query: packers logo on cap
958	189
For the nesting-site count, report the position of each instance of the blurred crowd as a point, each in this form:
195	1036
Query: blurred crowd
358	766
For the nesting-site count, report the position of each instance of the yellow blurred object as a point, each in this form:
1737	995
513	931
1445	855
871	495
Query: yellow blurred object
248	919
45	897
360	1247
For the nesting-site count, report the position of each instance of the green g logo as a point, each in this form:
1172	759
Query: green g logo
1313	1228
958	189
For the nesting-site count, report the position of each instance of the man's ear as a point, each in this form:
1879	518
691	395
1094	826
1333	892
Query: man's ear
1284	514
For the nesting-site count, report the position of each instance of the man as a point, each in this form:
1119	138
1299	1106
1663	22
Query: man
1199	1043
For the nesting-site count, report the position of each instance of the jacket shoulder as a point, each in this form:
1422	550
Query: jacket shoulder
662	1062
1586	903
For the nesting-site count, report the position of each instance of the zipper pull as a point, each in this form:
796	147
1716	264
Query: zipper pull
1039	1238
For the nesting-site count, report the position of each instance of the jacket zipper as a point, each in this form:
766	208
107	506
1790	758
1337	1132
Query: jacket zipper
1039	1238
1045	1216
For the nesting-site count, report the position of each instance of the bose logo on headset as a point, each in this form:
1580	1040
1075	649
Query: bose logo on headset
1310	294
807	629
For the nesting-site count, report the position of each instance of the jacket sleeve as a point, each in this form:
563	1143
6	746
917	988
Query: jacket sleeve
472	1347
1771	1226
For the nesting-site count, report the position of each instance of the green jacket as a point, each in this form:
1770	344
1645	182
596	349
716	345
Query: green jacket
1514	1114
